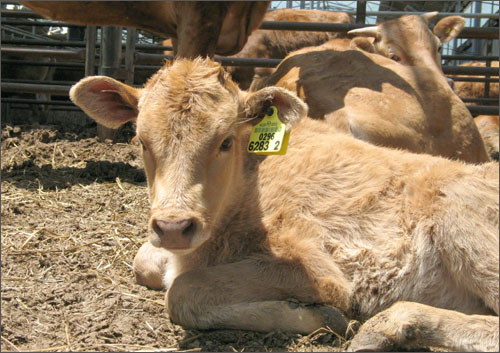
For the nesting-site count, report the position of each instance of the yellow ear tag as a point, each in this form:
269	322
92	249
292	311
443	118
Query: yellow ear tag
270	135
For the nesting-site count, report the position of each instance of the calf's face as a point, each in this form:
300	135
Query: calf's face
193	123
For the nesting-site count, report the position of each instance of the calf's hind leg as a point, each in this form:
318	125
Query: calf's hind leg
251	295
408	325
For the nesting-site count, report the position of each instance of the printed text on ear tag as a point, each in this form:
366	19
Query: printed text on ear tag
269	136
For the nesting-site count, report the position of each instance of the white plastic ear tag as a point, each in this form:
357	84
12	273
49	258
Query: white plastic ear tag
270	135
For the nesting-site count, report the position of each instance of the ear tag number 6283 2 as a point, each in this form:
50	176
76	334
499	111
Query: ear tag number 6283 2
270	135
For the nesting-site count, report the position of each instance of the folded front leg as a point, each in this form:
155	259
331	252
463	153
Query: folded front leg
252	295
408	325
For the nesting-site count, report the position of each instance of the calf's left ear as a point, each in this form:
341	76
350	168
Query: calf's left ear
290	108
448	28
107	101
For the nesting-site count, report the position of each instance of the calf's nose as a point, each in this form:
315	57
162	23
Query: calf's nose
174	229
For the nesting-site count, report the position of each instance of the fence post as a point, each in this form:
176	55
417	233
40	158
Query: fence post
90	50
360	11
111	47
129	55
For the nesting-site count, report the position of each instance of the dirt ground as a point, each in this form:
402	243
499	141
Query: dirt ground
74	213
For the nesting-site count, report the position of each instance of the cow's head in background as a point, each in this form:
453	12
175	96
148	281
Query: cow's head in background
409	40
194	124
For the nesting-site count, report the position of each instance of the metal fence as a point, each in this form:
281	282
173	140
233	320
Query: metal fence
127	60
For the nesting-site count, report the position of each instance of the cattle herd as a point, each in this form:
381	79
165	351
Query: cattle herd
384	208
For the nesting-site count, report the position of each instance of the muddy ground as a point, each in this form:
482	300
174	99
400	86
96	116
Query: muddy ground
74	213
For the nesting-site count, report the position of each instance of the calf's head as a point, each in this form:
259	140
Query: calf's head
409	40
193	123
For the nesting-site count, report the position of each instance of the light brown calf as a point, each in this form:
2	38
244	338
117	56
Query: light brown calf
382	101
405	241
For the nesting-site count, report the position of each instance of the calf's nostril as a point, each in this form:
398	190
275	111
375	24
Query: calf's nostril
190	228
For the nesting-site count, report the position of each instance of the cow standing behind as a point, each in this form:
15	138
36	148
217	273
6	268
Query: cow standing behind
197	27
405	241
381	101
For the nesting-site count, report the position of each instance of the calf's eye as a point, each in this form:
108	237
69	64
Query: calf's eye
395	58
226	144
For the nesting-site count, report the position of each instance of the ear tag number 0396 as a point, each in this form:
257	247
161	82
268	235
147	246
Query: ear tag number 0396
269	136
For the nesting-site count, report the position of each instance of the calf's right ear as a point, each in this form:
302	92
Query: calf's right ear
290	107
107	101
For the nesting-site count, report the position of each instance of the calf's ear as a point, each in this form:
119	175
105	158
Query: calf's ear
448	28
363	43
290	108
107	101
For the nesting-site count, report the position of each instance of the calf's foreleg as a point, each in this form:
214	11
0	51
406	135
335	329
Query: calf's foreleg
251	295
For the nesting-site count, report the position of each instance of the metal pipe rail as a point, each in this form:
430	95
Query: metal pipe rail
42	52
35	88
45	23
33	101
467	32
476	110
473	79
39	63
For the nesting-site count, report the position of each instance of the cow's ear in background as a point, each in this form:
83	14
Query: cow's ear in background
449	27
290	108
107	101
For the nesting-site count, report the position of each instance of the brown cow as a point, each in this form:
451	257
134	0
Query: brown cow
381	101
277	44
342	226
198	27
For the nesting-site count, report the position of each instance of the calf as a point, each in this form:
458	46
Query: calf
407	242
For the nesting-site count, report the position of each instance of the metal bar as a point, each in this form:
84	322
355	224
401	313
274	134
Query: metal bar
90	50
141	58
472	79
52	53
479	100
19	14
129	54
464	70
38	63
35	88
441	14
482	110
468	32
111	40
33	101
469	57
44	23
360	11
48	82
30	14
44	42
